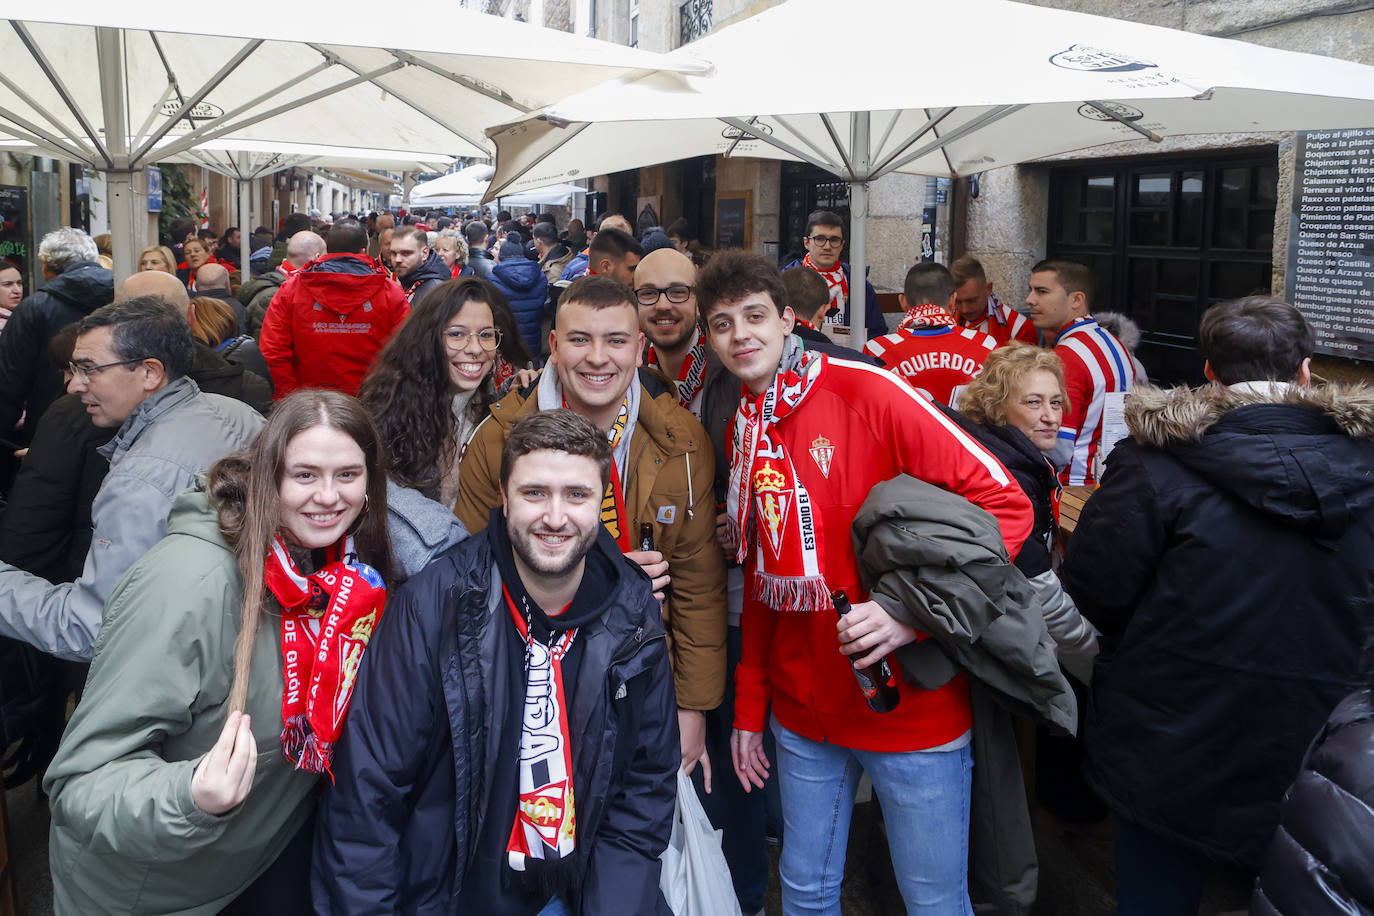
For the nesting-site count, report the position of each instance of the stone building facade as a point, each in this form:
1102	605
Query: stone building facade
1226	197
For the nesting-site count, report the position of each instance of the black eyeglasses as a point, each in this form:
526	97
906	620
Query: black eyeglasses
677	294
487	338
84	373
827	241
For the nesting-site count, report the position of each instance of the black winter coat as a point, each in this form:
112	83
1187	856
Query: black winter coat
1228	561
214	374
27	380
525	288
1035	475
396	830
428	274
1322	858
46	529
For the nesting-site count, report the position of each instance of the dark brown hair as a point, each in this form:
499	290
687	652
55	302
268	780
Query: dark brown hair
1255	338
245	488
732	275
408	391
1074	277
558	430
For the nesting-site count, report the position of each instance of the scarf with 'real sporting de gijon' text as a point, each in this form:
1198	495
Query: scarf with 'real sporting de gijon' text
327	620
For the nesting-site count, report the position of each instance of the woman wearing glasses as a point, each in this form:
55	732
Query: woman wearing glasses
434	381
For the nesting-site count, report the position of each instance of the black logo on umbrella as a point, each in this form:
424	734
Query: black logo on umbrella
1097	60
755	130
1122	112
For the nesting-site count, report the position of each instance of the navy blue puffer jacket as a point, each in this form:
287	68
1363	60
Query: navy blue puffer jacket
525	288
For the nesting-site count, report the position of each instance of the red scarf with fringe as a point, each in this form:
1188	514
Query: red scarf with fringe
327	619
786	526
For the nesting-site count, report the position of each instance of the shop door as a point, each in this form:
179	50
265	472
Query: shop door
1166	240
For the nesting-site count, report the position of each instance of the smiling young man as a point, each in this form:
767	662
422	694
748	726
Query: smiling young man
511	748
1095	362
813	435
130	368
662	476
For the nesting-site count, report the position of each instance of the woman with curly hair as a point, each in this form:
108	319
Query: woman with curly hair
1014	408
433	382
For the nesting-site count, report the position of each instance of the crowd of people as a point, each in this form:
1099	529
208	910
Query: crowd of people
403	568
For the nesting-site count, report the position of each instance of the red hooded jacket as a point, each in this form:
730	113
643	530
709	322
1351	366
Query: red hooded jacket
328	321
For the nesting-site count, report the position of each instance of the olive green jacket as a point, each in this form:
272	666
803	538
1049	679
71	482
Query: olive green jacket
126	837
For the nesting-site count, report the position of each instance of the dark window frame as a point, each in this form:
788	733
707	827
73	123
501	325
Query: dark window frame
1168	320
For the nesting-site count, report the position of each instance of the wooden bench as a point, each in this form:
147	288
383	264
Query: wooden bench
1071	503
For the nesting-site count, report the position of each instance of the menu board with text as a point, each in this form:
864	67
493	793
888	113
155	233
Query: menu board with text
1330	275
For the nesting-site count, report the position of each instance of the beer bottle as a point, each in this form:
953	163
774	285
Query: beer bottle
876	682
646	536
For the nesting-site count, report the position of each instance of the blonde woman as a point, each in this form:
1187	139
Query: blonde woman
1014	408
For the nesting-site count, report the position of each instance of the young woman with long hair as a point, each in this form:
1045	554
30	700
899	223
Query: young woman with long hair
435	379
186	781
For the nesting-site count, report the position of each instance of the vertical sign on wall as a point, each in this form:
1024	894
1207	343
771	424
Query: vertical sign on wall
14	227
928	234
1330	276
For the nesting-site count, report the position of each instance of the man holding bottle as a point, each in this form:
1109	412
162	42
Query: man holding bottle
812	436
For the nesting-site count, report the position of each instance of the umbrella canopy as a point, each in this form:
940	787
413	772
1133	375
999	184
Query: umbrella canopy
466	188
120	86
1044	82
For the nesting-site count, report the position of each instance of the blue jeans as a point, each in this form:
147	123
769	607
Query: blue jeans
925	800
554	907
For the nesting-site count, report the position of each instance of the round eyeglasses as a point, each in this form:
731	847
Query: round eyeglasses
487	338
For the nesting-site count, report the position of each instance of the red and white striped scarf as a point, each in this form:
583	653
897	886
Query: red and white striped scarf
928	315
787	575
836	279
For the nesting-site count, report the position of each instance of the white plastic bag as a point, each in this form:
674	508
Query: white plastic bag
695	879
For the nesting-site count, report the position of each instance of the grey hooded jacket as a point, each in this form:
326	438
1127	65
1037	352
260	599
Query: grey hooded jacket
936	562
174	434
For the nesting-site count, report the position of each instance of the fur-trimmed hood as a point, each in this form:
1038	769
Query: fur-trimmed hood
1302	454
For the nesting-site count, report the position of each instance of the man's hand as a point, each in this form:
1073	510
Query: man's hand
691	724
725	538
751	763
654	566
224	776
868	633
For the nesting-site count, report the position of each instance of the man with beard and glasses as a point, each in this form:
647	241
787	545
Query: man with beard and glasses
511	748
662	477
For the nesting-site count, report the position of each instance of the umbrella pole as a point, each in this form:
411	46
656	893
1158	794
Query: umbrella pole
245	221
858	220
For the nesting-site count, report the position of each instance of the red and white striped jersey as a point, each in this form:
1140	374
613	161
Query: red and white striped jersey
1095	363
1003	323
934	361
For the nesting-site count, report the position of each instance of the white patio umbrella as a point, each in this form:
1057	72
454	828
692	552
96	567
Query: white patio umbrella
467	186
1043	82
121	86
